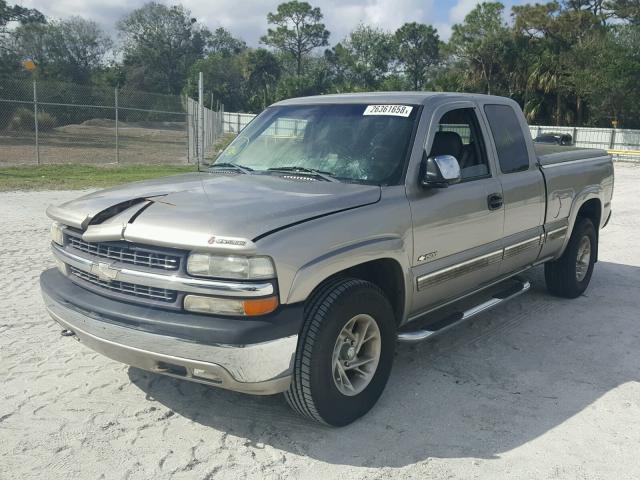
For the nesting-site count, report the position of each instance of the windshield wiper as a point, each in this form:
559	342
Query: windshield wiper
234	166
327	176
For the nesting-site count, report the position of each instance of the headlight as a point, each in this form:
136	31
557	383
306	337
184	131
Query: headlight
230	306
230	266
57	233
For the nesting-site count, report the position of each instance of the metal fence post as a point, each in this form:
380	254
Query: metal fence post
186	123
117	133
238	122
35	120
612	139
200	121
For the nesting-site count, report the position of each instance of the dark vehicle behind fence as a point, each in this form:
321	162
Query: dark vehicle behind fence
563	139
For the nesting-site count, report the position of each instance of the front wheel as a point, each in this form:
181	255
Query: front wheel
345	352
569	276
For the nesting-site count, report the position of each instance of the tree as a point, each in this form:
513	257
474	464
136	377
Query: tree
298	30
479	41
223	77
17	13
262	72
626	10
67	50
221	41
76	48
608	80
418	48
557	36
160	45
363	59
9	59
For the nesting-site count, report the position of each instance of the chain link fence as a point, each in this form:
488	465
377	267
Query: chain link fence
52	122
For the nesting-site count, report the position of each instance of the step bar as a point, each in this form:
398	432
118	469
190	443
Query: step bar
416	336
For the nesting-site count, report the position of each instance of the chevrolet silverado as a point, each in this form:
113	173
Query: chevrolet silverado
329	229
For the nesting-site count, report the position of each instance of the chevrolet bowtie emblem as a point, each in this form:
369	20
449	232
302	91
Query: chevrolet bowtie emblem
105	272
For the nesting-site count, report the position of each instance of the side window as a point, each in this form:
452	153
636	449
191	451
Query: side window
507	135
459	135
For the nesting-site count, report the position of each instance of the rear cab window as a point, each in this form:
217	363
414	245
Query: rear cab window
506	131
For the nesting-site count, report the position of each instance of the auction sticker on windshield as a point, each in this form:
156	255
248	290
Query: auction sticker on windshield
395	110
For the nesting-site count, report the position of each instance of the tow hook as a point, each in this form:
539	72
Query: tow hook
67	333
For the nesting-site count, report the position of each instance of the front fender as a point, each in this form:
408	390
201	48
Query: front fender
313	273
307	254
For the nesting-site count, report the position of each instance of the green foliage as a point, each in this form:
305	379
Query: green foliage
261	73
298	30
221	41
160	46
363	59
418	48
479	41
70	50
17	13
223	76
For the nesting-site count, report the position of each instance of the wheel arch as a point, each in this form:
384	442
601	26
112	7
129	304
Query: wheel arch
385	267
587	205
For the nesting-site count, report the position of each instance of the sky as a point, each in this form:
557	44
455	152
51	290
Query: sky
247	18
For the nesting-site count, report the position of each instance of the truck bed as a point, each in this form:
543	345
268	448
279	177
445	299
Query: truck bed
573	175
551	154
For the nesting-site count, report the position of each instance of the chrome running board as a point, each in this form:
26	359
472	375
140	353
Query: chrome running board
415	336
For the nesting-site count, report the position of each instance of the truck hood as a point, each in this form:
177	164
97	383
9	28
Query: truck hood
207	210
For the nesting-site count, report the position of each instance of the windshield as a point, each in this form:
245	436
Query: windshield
361	143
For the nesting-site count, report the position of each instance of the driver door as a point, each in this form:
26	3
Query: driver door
457	230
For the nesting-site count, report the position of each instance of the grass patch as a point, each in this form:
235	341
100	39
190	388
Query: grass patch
72	177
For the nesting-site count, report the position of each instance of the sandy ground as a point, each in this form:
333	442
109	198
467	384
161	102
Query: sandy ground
540	388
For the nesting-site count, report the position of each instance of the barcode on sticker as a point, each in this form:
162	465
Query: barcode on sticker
395	110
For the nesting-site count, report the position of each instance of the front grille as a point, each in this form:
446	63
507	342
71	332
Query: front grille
142	291
126	254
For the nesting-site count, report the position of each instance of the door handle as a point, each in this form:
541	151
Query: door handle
495	201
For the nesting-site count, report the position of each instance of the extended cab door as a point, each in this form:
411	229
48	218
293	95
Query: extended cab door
457	230
522	184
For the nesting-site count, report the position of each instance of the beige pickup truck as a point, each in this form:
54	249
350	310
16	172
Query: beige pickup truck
331	228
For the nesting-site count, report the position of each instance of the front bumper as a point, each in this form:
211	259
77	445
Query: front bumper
262	368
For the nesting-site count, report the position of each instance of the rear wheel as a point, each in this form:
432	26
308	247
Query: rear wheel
345	352
569	276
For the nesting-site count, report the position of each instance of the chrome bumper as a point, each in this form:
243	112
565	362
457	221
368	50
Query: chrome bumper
259	369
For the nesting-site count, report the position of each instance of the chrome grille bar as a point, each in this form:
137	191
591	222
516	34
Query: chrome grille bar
131	256
143	291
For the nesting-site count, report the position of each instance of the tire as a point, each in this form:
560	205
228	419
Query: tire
314	392
565	277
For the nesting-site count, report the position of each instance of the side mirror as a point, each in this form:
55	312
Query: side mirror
440	171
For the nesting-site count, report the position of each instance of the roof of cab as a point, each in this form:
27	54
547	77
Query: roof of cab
412	98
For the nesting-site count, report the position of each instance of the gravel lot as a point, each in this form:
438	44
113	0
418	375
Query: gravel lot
540	388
